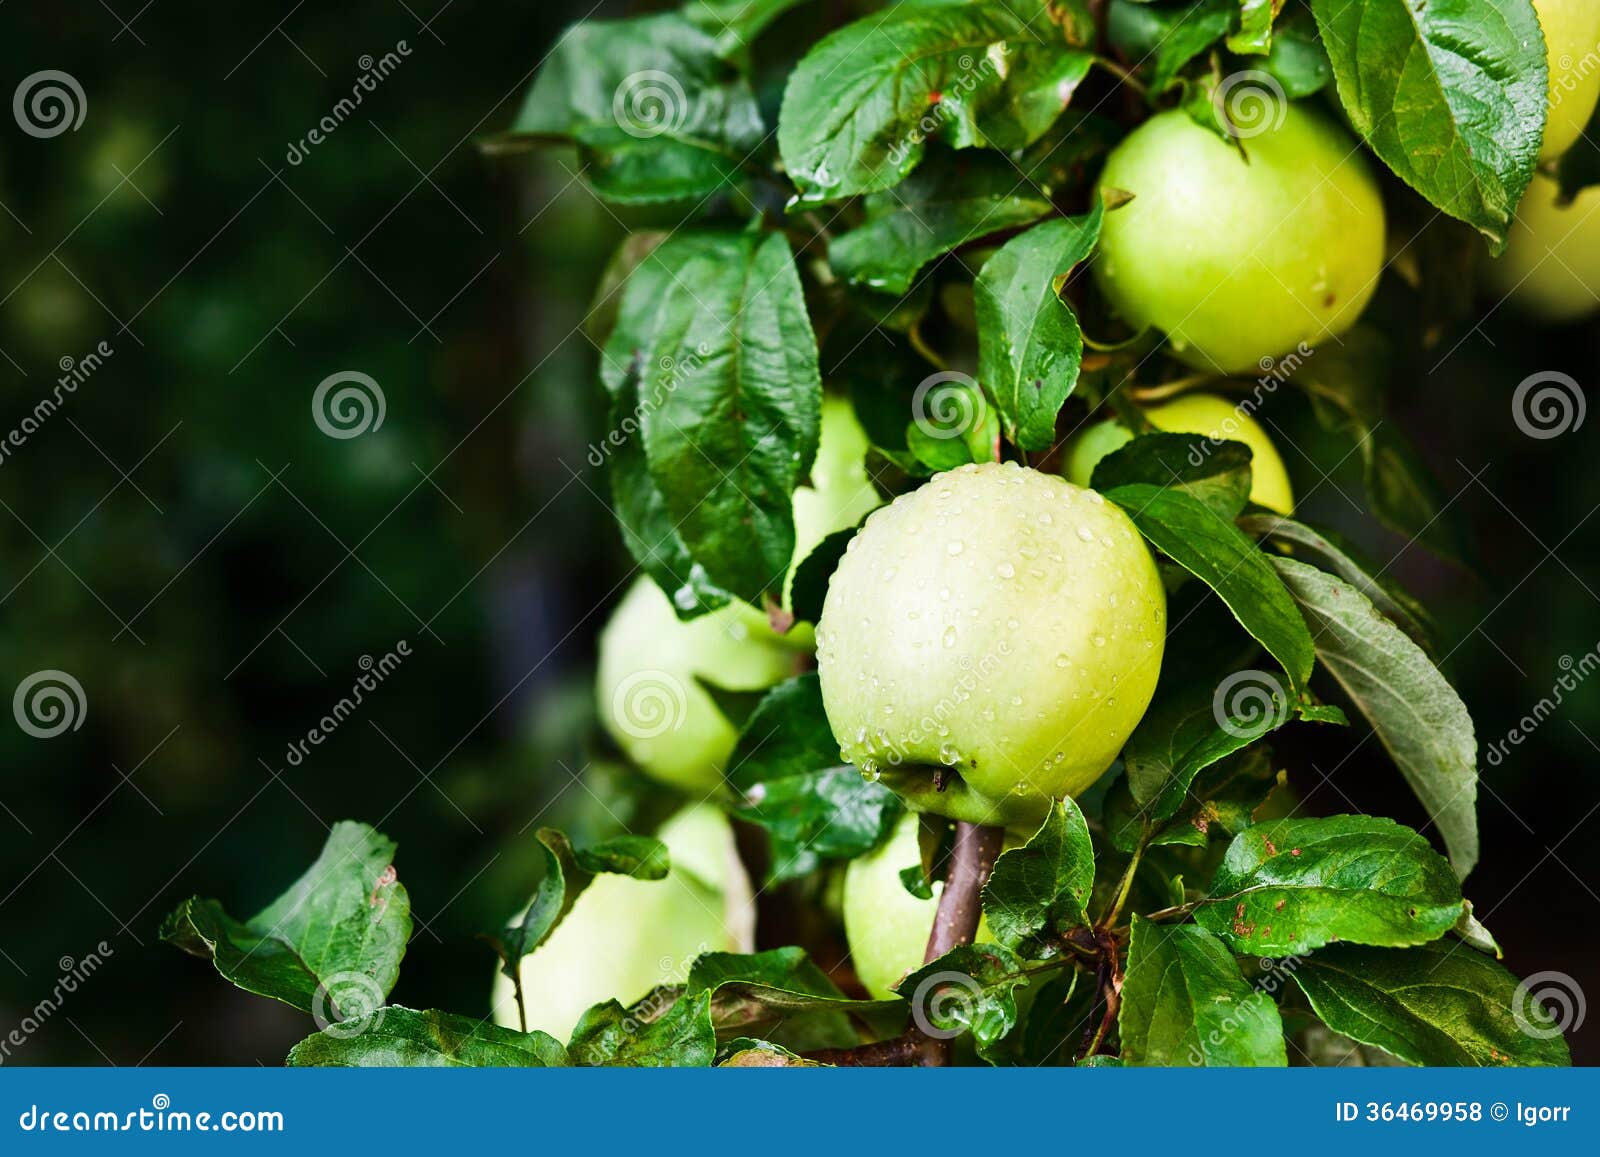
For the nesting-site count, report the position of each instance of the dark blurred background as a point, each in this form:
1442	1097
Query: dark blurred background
213	570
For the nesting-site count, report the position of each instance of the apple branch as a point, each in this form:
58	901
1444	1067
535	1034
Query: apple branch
972	858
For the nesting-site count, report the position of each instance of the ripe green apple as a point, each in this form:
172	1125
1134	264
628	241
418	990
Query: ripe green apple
653	665
625	936
989	641
1572	43
886	926
1207	414
1238	260
1551	267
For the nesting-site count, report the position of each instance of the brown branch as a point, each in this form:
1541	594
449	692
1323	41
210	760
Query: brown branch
901	1051
972	858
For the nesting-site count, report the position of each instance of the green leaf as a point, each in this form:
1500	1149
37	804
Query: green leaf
811	577
1216	552
953	199
1171	36
1450	94
1254	34
1029	344
1473	933
656	111
1223	797
1417	715
1298	61
731	399
331	945
1038	891
736	23
1333	557
1440	1004
749	1053
860	107
784	995
1214	473
1184	1002
567	872
681	1037
1289	886
403	1038
970	989
953	423
787	766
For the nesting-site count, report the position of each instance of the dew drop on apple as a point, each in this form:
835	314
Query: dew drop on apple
948	755
949	637
1005	570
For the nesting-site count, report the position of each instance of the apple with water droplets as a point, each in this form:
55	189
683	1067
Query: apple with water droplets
989	641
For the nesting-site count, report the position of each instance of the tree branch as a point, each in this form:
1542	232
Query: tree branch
972	858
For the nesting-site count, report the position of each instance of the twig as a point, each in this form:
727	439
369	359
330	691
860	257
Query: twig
972	858
1110	918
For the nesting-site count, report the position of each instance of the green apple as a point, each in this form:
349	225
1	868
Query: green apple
653	666
625	936
1551	267
1216	418
1237	260
1572	43
887	927
989	641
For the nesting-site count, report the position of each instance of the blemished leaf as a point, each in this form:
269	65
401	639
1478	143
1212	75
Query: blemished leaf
1417	715
567	872
970	989
1185	1003
1038	891
656	111
1215	551
1287	887
1438	1004
1450	94
406	1038
951	200
1222	799
787	767
750	1053
1333	557
860	107
811	577
1029	344
681	1037
330	945
729	397
1212	472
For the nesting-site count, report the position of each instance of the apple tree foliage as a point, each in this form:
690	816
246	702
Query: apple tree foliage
855	208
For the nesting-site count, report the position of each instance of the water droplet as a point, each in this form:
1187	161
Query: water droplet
1012	624
1085	534
1099	640
1063	661
1005	570
949	637
955	548
1044	517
